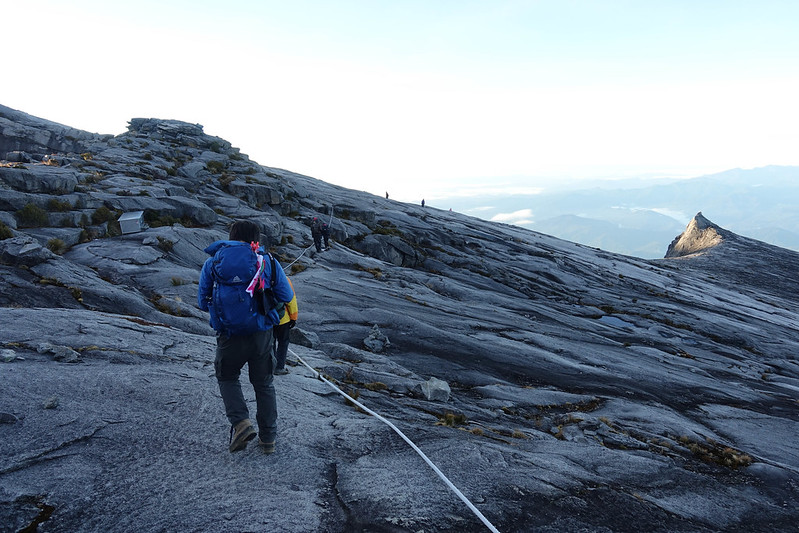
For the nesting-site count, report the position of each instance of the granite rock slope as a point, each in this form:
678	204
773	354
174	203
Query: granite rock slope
586	390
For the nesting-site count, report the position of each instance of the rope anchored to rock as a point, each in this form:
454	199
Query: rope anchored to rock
430	463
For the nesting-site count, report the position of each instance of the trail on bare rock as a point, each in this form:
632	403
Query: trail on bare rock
583	390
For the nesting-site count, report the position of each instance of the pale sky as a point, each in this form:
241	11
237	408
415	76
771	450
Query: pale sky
427	98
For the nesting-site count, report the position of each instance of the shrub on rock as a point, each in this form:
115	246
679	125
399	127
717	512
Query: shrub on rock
102	214
5	232
31	216
57	246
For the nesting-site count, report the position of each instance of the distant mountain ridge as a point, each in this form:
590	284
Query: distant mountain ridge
761	203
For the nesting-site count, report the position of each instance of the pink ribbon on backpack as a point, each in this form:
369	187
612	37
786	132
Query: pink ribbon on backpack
258	280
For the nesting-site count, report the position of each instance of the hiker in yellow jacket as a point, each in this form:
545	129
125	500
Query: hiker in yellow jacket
281	334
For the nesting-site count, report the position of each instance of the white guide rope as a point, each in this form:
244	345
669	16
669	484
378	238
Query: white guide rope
427	460
452	487
298	258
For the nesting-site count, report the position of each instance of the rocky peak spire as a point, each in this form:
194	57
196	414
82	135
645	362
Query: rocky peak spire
701	234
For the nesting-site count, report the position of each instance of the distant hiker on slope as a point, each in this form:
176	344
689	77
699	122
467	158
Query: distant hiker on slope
326	235
231	284
282	332
316	233
422	202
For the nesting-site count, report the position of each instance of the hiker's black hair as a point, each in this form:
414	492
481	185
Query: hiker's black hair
245	231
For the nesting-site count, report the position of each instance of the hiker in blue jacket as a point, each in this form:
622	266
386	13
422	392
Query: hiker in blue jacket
229	282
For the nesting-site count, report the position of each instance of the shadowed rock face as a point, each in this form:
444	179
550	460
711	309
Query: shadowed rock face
586	390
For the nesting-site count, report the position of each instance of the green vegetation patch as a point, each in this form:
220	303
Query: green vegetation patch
5	232
225	180
452	420
57	246
374	271
155	219
385	227
31	216
103	214
54	204
215	167
711	451
165	244
296	268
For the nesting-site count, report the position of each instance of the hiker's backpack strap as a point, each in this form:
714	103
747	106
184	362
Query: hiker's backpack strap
272	264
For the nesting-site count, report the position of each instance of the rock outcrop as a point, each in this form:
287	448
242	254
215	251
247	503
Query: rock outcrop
700	235
23	137
559	387
376	341
737	260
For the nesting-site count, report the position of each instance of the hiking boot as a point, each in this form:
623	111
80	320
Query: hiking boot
241	434
281	371
267	447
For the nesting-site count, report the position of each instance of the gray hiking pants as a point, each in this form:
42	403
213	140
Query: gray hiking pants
257	351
